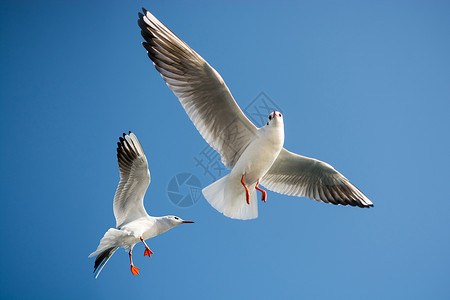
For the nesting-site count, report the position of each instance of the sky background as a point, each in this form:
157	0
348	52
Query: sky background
364	86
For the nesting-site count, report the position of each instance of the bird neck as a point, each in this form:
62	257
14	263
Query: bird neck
164	224
273	133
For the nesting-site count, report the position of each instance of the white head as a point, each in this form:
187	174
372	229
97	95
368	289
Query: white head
173	221
275	119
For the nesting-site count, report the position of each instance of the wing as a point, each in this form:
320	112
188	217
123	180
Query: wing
292	174
200	89
134	180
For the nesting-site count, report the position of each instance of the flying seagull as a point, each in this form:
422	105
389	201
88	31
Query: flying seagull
254	155
133	224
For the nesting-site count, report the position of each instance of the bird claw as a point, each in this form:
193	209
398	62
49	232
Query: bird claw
148	252
264	197
264	193
134	270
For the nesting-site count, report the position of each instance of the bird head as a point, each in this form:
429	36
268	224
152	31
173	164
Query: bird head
275	118
175	221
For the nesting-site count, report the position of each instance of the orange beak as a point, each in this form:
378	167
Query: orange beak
188	222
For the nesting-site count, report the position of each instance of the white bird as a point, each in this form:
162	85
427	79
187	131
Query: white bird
133	224
255	155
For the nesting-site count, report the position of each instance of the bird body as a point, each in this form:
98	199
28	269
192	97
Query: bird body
262	151
134	225
227	193
147	227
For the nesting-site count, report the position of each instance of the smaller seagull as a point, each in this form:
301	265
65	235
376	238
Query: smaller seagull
133	224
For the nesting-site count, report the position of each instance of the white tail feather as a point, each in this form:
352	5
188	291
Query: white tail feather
229	199
108	245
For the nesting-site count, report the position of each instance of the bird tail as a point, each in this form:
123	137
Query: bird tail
102	259
229	199
106	248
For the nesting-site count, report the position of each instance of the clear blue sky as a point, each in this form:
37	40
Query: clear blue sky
364	86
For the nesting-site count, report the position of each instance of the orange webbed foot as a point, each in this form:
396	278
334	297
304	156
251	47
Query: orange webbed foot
148	252
134	270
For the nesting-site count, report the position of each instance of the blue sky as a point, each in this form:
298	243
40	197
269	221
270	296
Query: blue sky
363	85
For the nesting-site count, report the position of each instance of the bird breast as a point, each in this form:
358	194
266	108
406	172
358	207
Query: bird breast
260	154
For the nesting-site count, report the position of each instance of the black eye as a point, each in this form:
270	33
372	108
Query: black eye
280	114
267	123
176	218
270	117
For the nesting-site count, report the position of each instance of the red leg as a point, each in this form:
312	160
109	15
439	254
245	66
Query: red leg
247	194
147	251
264	193
134	270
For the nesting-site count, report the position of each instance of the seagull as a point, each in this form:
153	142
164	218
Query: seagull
255	155
133	224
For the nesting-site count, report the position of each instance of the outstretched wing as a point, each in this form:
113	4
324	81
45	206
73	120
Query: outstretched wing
200	89
297	175
134	180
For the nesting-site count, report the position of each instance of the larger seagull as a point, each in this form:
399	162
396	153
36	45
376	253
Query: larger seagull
255	155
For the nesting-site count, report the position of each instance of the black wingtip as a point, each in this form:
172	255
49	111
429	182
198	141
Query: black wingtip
140	18
129	132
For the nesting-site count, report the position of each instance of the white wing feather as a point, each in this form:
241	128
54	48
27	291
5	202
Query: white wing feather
297	175
134	180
